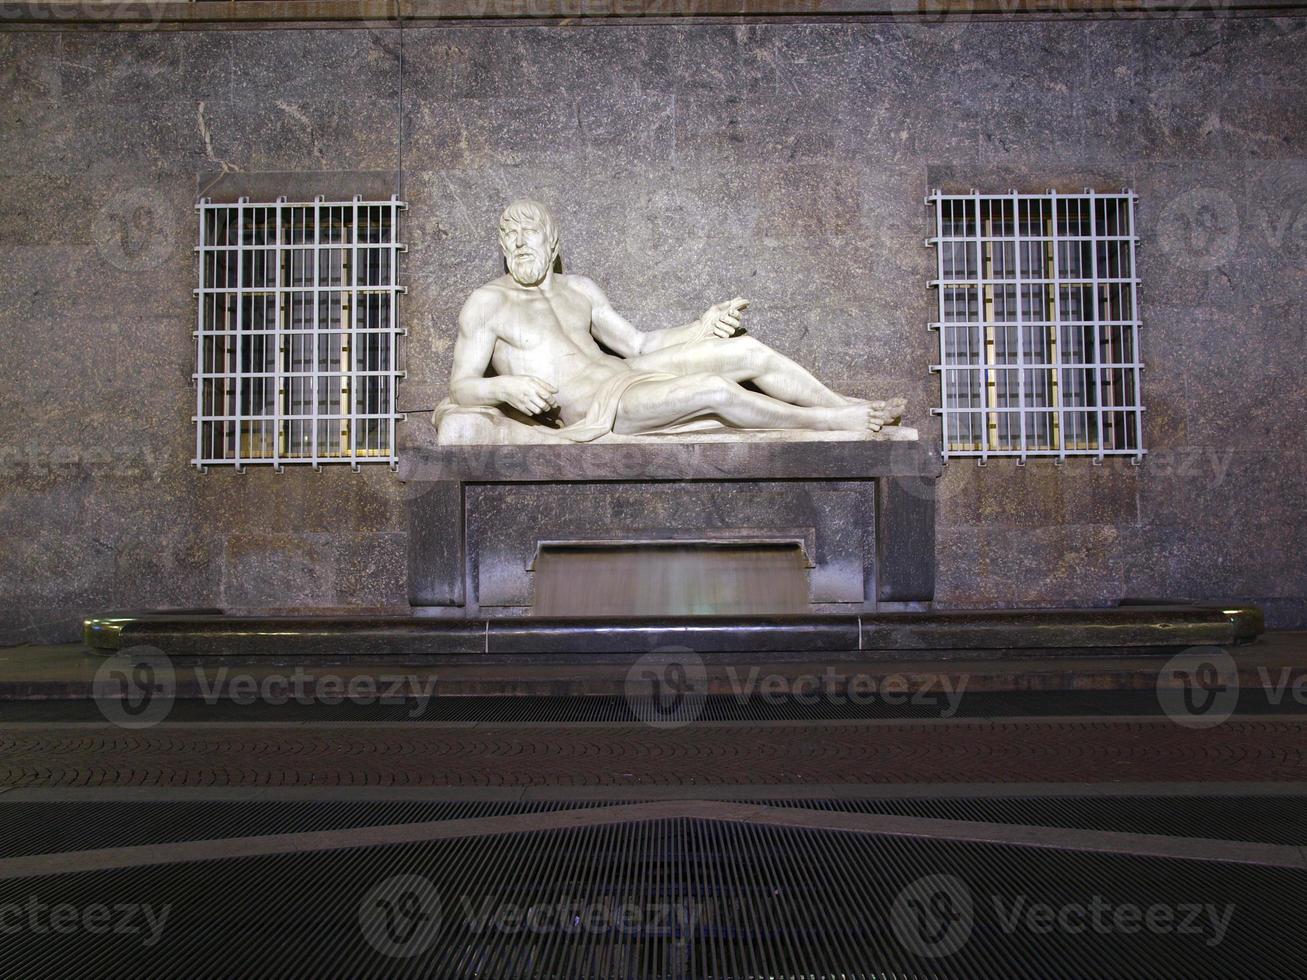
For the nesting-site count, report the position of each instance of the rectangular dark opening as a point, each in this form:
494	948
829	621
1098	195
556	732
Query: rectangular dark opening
672	578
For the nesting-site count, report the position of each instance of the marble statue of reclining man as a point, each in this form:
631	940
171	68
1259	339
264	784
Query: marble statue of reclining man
538	330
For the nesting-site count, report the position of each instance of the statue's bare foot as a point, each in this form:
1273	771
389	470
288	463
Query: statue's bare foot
858	417
896	405
887	411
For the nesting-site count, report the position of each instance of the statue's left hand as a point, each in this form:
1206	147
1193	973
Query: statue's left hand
723	319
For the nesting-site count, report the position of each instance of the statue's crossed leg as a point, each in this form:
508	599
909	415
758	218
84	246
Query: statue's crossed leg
719	368
656	404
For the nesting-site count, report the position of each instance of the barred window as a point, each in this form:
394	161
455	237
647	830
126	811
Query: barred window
1038	324
297	325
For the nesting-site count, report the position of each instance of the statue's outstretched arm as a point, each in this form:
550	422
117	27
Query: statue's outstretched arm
613	330
608	326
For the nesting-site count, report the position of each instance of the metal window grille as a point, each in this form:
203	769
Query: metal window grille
297	325
1038	324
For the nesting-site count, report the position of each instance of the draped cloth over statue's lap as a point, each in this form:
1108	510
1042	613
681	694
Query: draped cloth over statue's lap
602	415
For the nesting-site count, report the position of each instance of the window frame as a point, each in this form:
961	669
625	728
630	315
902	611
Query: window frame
1047	424
354	247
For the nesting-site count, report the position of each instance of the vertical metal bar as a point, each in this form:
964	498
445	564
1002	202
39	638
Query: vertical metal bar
980	328
1021	370
1135	321
966	332
943	329
393	340
353	348
240	322
1098	368
277	305
313	355
199	341
1057	332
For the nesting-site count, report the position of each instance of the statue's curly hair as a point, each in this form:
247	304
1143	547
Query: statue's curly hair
526	211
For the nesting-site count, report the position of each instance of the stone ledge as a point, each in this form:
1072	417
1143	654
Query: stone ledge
381	14
1157	630
672	461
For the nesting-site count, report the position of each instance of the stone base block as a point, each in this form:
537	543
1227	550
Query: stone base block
861	514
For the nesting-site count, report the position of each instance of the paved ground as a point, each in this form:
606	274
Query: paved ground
1017	750
246	736
788	839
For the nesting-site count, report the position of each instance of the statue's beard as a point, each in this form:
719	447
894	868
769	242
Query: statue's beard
528	268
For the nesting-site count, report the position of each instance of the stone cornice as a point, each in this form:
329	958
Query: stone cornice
209	14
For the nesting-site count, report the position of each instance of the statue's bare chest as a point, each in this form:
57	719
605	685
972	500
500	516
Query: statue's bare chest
542	320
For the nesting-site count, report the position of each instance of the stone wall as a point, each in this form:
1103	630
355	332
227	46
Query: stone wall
687	164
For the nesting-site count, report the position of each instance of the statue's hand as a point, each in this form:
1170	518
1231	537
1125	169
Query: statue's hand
527	393
723	319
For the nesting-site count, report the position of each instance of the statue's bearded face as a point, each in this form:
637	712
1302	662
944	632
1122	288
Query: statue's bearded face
527	250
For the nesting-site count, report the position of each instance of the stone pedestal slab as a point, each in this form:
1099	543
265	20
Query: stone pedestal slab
862	511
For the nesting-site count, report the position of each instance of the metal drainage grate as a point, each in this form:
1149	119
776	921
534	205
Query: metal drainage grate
1264	819
676	898
47	828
